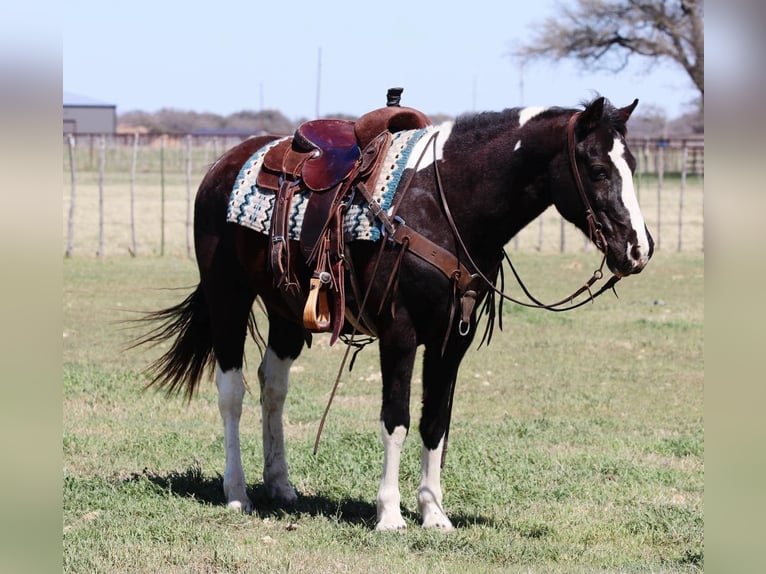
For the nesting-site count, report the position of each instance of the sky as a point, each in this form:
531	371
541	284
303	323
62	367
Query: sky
313	58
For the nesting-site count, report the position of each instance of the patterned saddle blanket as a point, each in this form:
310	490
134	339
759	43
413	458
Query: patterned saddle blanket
252	206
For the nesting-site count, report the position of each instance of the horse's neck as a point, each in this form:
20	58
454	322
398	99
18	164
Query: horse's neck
511	180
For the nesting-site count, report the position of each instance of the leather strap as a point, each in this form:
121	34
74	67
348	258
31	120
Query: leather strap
594	227
427	250
280	250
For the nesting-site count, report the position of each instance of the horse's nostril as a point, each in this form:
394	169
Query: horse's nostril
635	253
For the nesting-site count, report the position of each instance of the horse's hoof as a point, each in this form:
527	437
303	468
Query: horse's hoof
284	495
391	524
437	520
246	507
443	525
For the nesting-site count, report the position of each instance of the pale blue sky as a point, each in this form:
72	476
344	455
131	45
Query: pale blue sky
231	55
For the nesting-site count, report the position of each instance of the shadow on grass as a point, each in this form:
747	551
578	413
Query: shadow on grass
192	483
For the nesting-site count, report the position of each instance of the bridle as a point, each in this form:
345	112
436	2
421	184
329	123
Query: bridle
595	234
594	227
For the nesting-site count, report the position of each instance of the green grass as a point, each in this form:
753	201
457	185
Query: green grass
577	441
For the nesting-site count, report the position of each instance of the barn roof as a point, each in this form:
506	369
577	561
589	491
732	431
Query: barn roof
72	99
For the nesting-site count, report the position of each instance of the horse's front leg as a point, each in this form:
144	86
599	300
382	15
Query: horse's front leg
439	376
397	357
430	490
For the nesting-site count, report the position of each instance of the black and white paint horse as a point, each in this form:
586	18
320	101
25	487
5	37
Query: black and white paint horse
492	174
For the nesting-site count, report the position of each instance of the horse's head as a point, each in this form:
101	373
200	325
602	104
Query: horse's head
601	182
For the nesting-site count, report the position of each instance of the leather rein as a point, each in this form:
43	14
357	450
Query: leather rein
595	234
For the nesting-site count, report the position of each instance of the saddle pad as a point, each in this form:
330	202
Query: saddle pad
252	207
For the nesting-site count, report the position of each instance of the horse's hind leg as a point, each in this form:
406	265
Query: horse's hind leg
284	345
229	303
231	390
229	311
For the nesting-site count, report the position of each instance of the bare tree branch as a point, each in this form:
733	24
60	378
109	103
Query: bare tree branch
605	34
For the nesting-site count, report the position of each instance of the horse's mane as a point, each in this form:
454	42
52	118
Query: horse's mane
485	121
491	122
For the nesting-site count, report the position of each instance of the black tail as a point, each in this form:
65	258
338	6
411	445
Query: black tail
184	364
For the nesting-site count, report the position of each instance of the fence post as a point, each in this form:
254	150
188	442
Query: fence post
101	166
540	234
73	180
188	195
660	174
639	169
162	194
133	249
90	155
562	240
684	158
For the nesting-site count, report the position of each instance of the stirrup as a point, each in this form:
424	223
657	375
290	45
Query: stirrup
316	313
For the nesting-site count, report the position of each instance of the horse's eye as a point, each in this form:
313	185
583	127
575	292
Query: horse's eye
599	173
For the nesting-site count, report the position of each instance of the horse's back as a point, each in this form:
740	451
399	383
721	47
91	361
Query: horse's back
225	169
215	188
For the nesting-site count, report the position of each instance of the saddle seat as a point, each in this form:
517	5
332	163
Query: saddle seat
333	148
324	152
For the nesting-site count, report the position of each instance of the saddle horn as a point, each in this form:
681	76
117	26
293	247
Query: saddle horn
393	97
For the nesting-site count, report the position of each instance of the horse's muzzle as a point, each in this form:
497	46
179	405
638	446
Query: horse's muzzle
631	259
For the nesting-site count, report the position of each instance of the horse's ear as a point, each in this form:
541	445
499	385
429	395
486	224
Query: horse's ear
624	113
591	115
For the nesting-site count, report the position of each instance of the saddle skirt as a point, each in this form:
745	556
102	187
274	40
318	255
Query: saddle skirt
252	206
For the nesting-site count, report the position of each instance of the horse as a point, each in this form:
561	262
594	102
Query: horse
481	179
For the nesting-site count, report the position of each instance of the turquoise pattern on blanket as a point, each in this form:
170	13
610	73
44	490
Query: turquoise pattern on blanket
252	206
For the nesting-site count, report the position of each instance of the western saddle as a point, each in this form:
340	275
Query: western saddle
333	159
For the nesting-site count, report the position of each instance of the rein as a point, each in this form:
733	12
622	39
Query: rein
595	234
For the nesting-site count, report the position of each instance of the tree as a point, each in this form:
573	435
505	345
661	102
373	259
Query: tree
606	33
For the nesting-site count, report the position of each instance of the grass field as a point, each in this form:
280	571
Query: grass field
577	440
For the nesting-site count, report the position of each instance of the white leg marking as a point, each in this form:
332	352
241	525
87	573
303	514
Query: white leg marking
231	390
527	114
273	375
630	201
430	490
389	499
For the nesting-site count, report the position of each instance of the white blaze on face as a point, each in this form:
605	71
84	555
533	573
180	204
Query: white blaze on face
629	200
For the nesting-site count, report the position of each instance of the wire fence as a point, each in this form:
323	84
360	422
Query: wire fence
134	194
